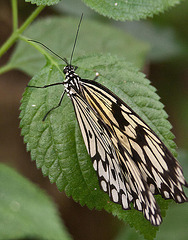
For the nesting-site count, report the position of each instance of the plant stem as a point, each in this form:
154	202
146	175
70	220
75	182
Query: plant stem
14	15
15	35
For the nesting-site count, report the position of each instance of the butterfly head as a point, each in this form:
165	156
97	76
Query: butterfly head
69	69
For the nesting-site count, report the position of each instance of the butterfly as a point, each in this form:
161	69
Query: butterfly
131	162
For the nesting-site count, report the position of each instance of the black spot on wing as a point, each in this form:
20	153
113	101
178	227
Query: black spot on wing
117	113
114	174
89	133
104	163
140	136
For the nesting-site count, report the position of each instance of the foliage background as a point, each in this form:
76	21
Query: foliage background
166	67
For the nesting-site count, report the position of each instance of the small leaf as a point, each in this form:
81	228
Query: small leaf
43	2
59	34
26	211
57	144
130	10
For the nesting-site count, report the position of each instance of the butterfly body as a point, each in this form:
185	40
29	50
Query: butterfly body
131	162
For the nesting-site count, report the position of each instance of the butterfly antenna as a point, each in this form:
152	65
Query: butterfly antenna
76	38
64	59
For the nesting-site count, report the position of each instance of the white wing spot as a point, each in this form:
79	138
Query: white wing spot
158	220
166	194
95	165
152	188
101	150
139	206
102	172
115	195
178	198
124	201
147	213
104	186
153	219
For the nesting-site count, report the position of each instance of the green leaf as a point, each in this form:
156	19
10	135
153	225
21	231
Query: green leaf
59	34
74	8
163	40
25	210
43	2
130	10
57	144
175	224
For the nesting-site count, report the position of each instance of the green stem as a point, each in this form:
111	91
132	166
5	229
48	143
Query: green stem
15	35
14	15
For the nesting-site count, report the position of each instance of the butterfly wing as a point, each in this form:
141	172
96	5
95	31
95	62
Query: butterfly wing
117	172
137	142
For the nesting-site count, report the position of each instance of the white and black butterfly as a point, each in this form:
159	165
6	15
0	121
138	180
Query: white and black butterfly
131	162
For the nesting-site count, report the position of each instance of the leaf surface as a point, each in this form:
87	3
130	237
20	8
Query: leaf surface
59	34
26	211
130	9
43	2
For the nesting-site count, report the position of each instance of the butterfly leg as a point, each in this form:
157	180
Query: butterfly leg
59	104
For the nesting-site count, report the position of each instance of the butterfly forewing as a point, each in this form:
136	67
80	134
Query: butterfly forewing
158	166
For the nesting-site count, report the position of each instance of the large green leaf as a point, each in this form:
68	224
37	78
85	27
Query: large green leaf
26	211
130	9
59	34
57	144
